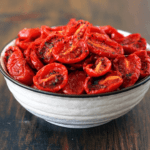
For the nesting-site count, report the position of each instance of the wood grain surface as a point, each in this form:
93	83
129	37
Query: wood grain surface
20	130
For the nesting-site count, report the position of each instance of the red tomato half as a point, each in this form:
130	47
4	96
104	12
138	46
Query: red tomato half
101	66
103	46
23	45
9	51
68	52
46	47
132	43
19	69
51	77
32	57
112	32
75	83
46	30
129	67
93	29
76	28
145	63
29	34
102	85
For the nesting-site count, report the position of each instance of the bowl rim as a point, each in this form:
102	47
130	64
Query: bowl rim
139	83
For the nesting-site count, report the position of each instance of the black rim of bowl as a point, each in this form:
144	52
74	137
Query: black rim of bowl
144	80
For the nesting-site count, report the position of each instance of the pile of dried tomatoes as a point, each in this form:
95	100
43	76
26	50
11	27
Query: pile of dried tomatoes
77	58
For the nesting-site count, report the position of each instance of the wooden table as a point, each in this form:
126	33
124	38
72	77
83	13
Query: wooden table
20	130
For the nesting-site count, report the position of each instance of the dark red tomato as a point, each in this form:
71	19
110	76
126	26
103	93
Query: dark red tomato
32	57
29	34
76	27
79	33
103	84
18	68
35	60
129	67
101	45
130	39
141	44
101	66
9	51
111	32
132	43
94	29
46	47
145	63
46	30
51	77
67	52
23	45
75	84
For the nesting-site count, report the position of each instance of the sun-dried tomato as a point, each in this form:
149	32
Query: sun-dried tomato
145	63
94	29
111	32
9	51
75	83
108	83
101	45
19	69
68	52
132	43
46	47
23	45
29	34
129	67
51	77
46	30
32	57
76	28
100	67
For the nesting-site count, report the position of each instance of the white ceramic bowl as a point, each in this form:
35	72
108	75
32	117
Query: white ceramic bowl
74	111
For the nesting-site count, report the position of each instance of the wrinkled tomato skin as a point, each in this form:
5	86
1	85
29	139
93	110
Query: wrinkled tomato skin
129	67
9	51
46	30
101	66
73	26
145	63
132	43
51	77
94	29
29	34
68	54
19	69
32	57
23	45
35	60
103	46
111	32
102	85
75	83
46	47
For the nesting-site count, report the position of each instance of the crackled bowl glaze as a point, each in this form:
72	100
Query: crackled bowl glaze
74	111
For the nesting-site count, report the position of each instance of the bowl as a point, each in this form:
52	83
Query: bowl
75	111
